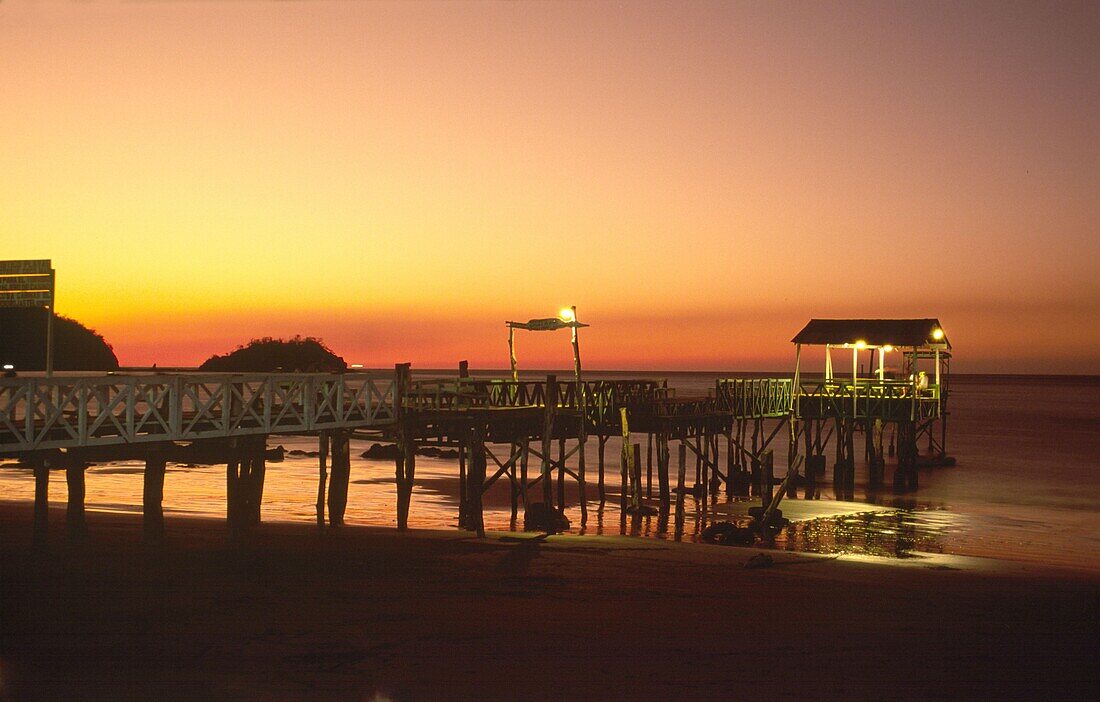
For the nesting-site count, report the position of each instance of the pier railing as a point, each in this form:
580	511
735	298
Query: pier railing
867	399
754	397
602	398
40	413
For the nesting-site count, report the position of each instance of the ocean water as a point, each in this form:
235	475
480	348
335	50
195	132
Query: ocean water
1024	488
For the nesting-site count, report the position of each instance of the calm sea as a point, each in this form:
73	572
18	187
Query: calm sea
1024	487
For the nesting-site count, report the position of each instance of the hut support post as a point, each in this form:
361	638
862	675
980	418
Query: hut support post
41	504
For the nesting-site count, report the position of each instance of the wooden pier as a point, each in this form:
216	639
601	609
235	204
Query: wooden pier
532	434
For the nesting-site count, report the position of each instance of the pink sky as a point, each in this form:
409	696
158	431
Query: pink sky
699	179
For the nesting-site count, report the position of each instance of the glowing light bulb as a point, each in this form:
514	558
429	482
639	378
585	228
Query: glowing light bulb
887	348
566	314
861	344
937	333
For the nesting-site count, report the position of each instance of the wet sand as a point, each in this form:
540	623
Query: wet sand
367	613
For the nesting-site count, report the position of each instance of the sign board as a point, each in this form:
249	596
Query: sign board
26	267
30	283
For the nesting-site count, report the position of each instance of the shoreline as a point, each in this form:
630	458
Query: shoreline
293	612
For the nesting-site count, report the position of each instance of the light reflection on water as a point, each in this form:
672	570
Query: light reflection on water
290	494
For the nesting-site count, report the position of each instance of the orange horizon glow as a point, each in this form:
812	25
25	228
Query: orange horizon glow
700	180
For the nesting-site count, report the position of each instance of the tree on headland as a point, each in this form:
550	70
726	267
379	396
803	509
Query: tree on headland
268	355
75	346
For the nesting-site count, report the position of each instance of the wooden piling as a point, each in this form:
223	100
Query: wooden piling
340	477
476	481
41	504
636	482
649	465
152	498
581	488
767	470
74	511
405	460
601	441
257	475
561	473
551	406
232	489
513	483
624	460
322	475
662	469
681	476
463	479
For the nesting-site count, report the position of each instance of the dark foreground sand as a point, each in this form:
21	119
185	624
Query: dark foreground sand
365	613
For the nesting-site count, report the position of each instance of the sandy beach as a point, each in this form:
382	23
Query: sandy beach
369	613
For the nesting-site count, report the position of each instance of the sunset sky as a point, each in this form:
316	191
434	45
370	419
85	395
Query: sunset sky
699	179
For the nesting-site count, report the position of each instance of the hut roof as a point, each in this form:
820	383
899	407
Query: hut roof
874	332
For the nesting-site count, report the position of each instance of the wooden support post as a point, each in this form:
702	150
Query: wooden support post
729	463
767	468
581	440
636	483
649	465
662	468
341	476
41	504
680	478
406	473
601	441
810	485
152	498
561	473
523	462
476	480
405	461
322	475
256	476
850	467
792	459
463	485
698	461
877	459
624	460
905	477
74	512
757	430
513	483
547	442
232	489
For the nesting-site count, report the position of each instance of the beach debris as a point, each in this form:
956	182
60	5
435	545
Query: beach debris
306	454
275	455
393	451
729	534
760	560
537	517
642	510
390	451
